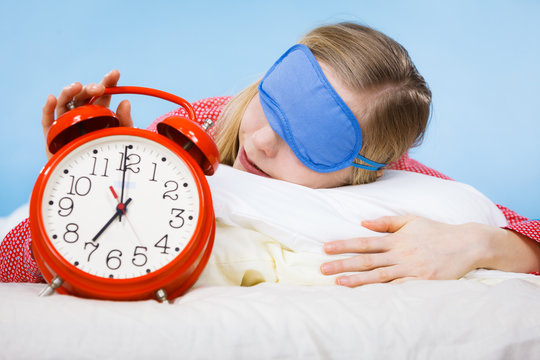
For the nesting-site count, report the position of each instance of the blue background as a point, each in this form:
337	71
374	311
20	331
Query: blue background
481	59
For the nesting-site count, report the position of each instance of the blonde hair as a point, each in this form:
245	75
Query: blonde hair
370	64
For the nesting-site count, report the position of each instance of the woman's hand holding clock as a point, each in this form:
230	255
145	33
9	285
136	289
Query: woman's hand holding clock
80	96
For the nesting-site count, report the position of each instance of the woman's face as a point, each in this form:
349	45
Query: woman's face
263	152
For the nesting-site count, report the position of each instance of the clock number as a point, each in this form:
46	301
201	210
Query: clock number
94	245
114	262
131	160
179	219
65	207
154	172
162	244
142	256
94	167
71	235
81	186
174	187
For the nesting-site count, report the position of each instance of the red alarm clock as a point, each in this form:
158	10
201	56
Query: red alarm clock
122	213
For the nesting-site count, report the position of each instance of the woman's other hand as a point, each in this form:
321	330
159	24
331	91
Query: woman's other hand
81	96
419	248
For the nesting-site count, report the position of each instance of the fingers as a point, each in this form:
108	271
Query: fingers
357	245
82	95
363	262
376	276
403	280
87	93
388	224
47	117
354	281
109	80
65	96
374	262
124	113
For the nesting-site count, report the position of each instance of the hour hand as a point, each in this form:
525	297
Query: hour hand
120	208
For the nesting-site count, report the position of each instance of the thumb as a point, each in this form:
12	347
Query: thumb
47	116
388	224
124	113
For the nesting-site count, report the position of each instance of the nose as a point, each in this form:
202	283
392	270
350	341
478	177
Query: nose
267	140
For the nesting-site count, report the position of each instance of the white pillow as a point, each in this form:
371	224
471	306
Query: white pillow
302	219
273	231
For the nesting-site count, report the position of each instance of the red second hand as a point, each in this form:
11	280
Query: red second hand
120	205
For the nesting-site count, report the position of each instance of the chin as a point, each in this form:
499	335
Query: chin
236	165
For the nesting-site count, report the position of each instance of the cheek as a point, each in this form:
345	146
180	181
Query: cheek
292	170
253	117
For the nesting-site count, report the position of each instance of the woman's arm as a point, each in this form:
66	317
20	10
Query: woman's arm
16	261
513	251
418	248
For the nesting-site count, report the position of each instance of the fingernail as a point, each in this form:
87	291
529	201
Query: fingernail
342	281
326	268
329	247
48	99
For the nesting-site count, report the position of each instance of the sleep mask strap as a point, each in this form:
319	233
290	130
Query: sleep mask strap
372	165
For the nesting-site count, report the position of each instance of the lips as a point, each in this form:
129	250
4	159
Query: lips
248	165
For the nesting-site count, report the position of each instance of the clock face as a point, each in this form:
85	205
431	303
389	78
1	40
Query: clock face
120	206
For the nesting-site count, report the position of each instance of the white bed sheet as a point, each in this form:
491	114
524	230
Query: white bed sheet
494	318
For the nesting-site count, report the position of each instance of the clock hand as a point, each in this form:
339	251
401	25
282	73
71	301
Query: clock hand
127	218
123	179
117	199
120	208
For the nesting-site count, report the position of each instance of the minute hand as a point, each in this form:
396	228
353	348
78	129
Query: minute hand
124	168
119	210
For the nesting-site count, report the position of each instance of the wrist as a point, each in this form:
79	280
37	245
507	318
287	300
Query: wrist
489	240
506	250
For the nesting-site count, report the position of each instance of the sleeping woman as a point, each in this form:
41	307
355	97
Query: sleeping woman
336	109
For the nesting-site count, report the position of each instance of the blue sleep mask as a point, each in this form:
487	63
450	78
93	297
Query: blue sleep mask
304	110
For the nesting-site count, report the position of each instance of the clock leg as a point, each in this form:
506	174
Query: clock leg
56	282
161	295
